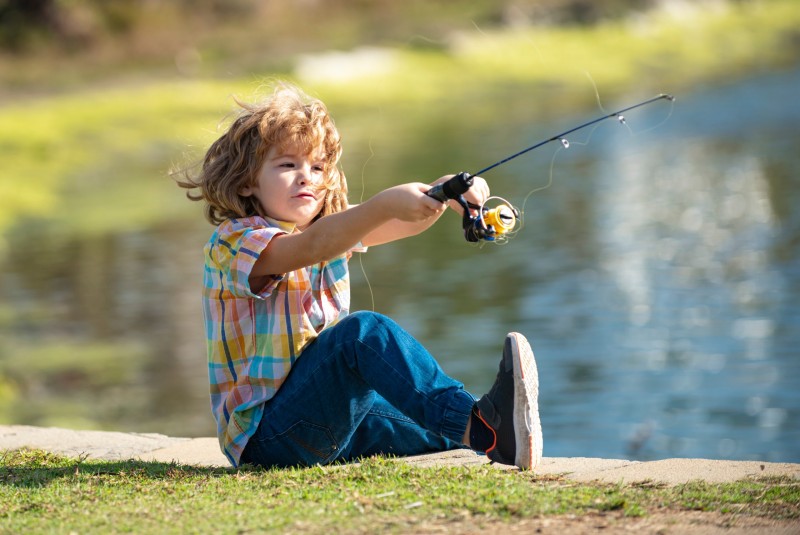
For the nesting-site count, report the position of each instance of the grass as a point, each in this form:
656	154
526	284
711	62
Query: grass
42	492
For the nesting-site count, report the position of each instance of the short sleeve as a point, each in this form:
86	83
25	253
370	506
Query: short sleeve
359	248
233	250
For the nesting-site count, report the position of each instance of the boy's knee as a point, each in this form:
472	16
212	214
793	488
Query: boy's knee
367	317
369	321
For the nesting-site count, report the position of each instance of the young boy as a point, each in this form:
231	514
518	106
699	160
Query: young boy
295	379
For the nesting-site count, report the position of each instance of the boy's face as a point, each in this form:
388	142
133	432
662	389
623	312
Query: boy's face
289	185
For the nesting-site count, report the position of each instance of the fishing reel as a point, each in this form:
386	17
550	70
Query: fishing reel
489	224
492	224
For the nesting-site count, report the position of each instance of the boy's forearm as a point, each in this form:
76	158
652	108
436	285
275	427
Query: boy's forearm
338	233
396	229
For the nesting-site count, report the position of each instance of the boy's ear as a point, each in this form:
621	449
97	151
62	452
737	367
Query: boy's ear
246	191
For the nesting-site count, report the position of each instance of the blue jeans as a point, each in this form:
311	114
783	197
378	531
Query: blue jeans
363	387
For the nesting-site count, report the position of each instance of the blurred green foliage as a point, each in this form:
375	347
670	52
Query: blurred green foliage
79	24
82	40
108	149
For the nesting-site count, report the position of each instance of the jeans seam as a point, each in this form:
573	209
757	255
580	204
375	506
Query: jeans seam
391	415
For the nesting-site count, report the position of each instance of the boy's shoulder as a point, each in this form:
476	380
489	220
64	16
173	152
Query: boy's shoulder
253	222
245	233
240	223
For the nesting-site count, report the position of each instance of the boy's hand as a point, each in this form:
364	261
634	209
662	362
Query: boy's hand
408	202
477	194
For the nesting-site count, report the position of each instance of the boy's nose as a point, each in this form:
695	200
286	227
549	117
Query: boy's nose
305	175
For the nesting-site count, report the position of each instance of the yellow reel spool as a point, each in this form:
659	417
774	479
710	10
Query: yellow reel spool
502	219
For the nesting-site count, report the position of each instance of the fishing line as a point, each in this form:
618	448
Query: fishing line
361	201
478	29
596	91
540	188
551	169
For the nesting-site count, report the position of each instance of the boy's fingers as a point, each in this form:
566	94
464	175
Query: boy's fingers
432	203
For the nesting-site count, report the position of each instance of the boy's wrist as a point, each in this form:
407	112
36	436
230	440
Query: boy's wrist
383	204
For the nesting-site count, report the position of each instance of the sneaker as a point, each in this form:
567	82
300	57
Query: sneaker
511	408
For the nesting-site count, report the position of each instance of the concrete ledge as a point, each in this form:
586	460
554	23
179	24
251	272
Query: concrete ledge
114	446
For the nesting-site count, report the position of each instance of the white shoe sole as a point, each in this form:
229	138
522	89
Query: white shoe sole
527	426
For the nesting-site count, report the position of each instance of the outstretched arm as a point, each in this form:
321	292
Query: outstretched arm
337	233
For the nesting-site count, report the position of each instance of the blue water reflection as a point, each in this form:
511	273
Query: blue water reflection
657	278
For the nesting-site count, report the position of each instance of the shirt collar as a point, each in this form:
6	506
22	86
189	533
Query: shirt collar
283	225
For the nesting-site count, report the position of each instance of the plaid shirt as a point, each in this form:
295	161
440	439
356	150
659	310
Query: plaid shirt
254	338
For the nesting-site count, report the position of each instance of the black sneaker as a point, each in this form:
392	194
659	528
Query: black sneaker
511	408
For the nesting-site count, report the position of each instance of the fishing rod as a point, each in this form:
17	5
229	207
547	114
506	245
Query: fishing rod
489	224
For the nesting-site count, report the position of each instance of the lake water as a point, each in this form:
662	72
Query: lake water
657	277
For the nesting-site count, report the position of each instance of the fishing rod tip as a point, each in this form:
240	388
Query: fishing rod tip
667	96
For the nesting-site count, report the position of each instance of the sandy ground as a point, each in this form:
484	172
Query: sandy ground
678	523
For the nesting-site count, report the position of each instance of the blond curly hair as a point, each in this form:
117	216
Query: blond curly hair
287	118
